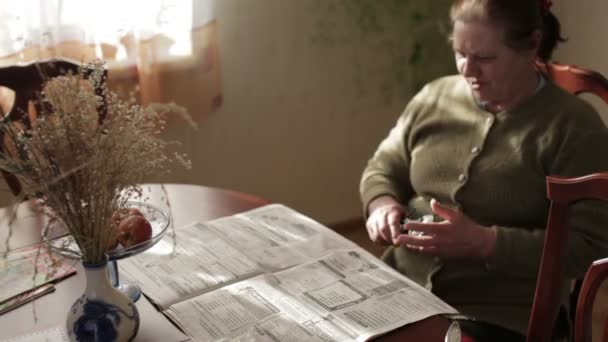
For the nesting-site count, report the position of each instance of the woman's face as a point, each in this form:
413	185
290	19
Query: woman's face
494	71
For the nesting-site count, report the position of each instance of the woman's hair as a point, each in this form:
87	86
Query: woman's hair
520	18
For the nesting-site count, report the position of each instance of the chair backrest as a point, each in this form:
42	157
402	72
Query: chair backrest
575	80
562	192
27	81
596	275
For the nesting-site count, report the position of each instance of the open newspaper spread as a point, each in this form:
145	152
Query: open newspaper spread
272	274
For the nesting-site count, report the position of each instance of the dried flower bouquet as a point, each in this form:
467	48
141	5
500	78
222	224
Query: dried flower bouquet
87	153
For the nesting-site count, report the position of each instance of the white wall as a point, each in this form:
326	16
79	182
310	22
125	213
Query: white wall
300	119
292	127
584	25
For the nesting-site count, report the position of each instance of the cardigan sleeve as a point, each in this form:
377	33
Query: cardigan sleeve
518	251
387	172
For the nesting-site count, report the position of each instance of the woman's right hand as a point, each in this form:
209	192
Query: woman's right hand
384	221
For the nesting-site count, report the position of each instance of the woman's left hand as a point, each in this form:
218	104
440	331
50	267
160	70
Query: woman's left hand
458	236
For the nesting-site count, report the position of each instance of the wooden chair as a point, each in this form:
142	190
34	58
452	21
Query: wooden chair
562	192
597	273
27	81
576	80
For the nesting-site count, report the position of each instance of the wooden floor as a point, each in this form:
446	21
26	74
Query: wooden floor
355	231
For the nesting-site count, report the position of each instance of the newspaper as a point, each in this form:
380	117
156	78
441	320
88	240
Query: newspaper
216	253
272	274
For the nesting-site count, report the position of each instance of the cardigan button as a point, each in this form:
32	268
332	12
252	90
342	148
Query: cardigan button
462	178
475	150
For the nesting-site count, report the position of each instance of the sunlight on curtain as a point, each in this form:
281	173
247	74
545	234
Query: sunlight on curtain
85	29
153	46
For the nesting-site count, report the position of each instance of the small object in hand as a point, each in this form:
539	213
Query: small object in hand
423	219
134	230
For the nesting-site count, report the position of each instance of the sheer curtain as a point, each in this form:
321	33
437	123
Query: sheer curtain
149	45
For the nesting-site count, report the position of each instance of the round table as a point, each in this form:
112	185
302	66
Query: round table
186	204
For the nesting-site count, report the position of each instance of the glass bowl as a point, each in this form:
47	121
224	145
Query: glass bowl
57	237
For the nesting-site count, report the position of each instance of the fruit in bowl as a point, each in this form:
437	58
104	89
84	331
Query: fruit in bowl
123	213
133	230
129	231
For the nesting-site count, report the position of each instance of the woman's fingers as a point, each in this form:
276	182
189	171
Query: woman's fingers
372	232
428	228
384	224
377	228
416	240
444	212
385	232
394	224
373	227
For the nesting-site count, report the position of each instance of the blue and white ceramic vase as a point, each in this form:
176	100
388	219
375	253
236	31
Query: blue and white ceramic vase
102	313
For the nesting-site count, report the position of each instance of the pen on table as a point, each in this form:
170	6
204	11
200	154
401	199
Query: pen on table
24	298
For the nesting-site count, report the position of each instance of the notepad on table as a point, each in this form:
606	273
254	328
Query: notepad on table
23	271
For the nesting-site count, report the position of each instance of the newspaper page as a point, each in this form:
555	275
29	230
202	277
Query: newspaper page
253	310
219	252
348	295
360	291
199	261
278	237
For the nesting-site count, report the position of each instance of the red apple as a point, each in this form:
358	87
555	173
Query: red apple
133	230
123	213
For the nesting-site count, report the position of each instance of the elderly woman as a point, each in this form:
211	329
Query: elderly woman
473	150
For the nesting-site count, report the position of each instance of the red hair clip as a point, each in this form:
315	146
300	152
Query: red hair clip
546	5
